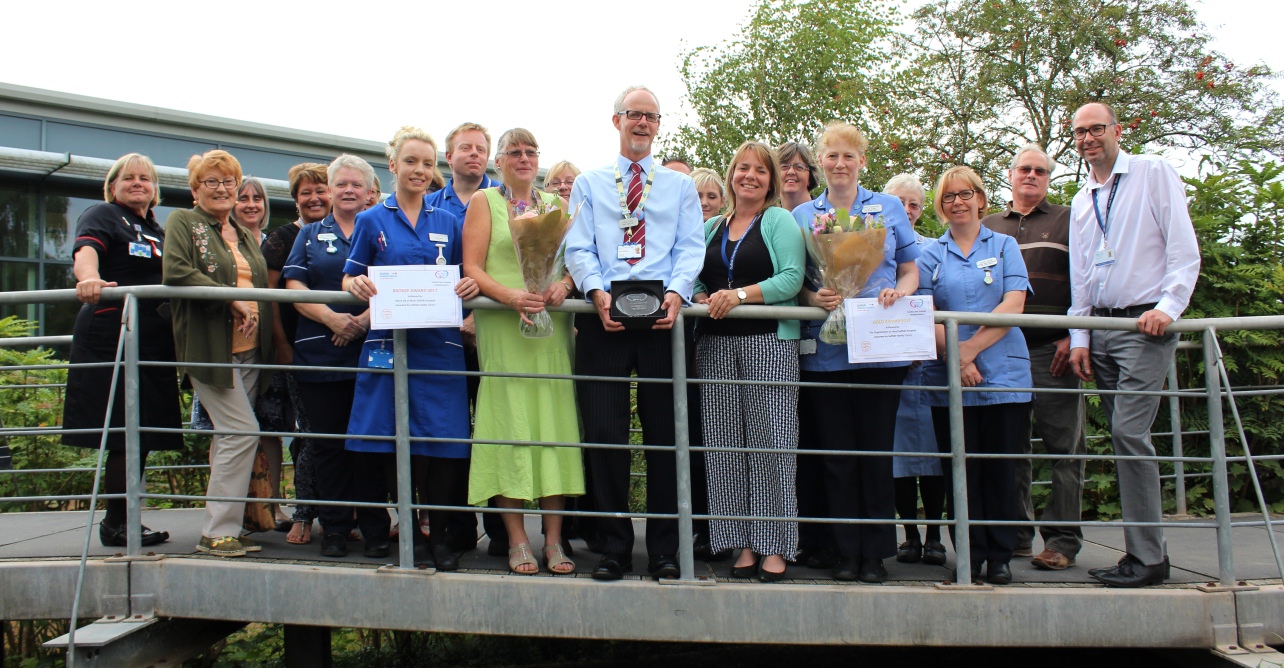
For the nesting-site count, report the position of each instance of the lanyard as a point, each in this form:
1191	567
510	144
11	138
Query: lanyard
624	200
1110	203
731	262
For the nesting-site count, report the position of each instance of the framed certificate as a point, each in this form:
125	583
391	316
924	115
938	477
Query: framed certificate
415	296
901	332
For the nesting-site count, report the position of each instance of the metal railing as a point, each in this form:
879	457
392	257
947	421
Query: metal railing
1216	391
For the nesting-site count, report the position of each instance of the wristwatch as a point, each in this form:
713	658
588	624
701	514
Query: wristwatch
742	295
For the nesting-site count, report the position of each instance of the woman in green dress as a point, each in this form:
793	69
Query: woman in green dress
520	409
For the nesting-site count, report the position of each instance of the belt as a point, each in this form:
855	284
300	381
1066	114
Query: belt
1125	312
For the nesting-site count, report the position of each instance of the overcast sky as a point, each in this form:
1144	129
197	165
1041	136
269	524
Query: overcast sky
363	69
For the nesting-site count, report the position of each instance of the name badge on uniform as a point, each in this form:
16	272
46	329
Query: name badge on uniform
140	250
628	222
871	208
1104	257
807	347
628	251
986	263
379	359
433	236
327	236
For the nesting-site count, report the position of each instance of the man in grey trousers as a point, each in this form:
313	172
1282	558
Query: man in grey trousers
1042	231
1133	254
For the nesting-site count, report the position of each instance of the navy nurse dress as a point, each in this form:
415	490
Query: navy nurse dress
438	404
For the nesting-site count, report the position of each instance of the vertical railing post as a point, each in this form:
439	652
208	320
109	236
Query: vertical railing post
1174	425
401	415
133	442
682	450
958	456
1217	447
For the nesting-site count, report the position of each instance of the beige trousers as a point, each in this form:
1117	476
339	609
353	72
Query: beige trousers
231	457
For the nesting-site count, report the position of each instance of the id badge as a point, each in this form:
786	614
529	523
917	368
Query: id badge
379	359
140	250
1104	257
807	347
628	251
628	221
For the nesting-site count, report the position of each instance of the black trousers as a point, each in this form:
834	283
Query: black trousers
339	472
857	487
604	410
991	483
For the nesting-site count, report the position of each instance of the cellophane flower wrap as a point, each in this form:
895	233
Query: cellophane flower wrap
538	230
845	250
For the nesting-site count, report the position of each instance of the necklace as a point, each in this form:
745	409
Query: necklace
519	206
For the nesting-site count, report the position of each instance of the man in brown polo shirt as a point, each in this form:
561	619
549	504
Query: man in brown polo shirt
1042	230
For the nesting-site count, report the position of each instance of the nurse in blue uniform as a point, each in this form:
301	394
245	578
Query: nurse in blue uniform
385	235
972	268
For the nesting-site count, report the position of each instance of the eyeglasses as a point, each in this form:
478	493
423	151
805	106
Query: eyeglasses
794	167
1026	169
558	184
964	195
517	153
213	184
1094	130
637	115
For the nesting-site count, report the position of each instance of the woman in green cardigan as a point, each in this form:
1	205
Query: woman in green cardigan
206	247
754	255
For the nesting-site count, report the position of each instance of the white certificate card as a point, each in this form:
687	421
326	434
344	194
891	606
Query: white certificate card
415	296
902	332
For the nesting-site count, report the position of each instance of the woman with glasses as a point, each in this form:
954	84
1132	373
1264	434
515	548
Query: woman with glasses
207	247
405	230
972	268
754	255
560	178
844	420
798	168
119	243
520	409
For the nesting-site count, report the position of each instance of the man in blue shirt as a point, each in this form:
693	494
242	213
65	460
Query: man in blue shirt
665	243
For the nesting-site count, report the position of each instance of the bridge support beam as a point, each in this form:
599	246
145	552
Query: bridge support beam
144	642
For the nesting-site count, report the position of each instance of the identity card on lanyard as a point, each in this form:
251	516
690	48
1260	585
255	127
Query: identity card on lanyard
630	220
1105	256
730	262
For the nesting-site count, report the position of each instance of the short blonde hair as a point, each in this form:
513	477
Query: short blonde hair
559	167
466	127
407	132
312	172
123	162
515	136
968	178
199	165
842	131
906	183
703	176
768	158
349	161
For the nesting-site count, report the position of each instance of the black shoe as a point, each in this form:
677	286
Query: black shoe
334	545
119	536
847	570
701	548
933	553
910	552
872	570
767	577
612	567
446	557
595	543
497	548
377	549
1131	573
998	574
566	546
664	567
746	571
823	559
423	555
976	571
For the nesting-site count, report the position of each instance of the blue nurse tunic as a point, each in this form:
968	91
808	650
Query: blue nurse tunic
438	404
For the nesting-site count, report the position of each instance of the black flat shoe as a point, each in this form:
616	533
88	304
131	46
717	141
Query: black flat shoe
746	571
119	536
847	570
910	552
334	545
664	567
377	549
766	576
423	556
446	557
933	553
823	559
612	567
998	574
872	570
1131	573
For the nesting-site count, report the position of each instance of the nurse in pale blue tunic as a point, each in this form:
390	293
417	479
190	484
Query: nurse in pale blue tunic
384	236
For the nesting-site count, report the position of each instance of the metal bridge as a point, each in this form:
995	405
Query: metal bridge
1225	593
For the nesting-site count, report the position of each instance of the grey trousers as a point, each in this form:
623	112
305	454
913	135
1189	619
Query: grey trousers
1058	419
231	457
1138	362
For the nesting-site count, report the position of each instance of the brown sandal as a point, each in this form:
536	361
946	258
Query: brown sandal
520	555
555	560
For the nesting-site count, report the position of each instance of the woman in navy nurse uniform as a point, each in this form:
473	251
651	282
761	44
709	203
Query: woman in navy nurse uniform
972	268
405	230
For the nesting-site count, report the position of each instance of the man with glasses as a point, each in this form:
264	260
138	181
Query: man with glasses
1042	231
1133	254
637	220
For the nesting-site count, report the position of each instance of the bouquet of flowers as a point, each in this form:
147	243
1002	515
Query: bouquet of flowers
845	250
538	230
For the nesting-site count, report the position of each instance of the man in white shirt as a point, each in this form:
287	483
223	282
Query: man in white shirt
1133	254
